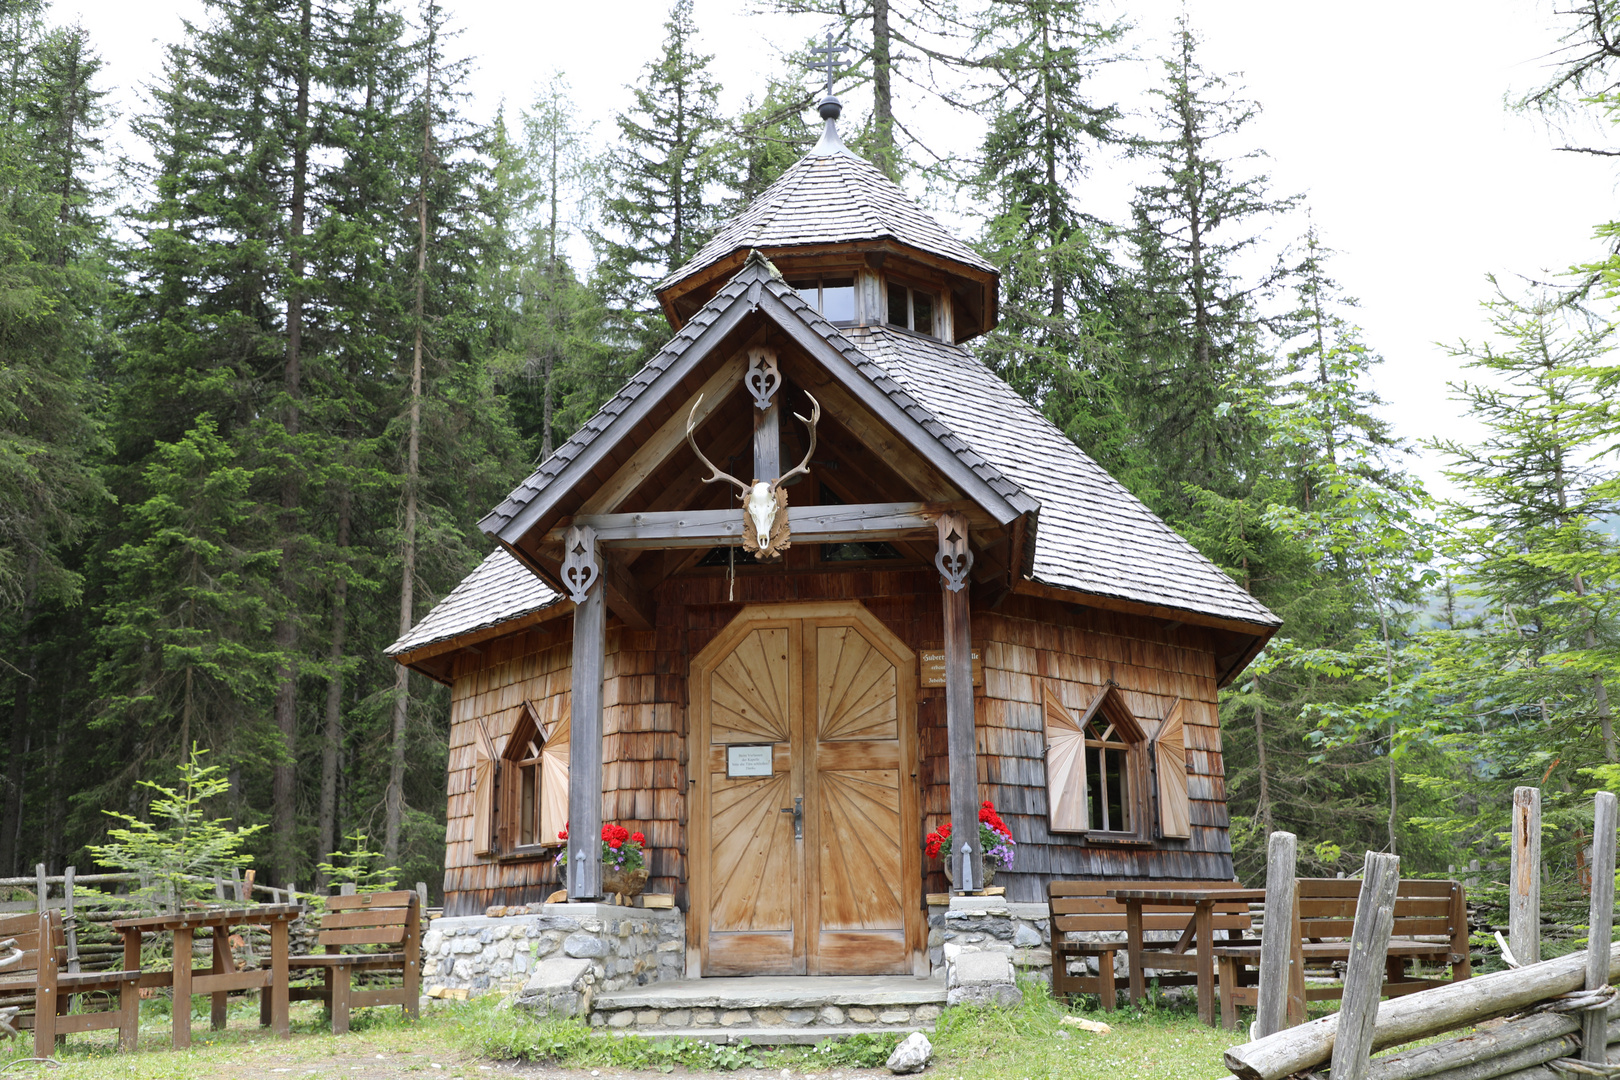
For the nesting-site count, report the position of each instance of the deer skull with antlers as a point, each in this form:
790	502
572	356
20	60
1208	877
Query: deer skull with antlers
764	501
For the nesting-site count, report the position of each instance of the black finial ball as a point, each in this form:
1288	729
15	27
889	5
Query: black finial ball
830	108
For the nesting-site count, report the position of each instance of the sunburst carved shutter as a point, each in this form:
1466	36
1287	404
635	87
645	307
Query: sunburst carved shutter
484	766
554	781
1065	768
1170	762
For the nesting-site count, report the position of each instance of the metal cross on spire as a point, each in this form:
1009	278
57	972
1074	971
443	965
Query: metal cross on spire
831	52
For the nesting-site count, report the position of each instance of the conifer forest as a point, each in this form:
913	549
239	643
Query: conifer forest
263	369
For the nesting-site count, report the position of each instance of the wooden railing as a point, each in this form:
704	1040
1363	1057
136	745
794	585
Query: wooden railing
1563	1013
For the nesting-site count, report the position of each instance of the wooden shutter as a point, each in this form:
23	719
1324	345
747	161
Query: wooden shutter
485	764
1170	761
1067	807
554	781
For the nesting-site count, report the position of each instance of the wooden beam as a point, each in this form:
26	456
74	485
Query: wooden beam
665	441
954	560
879	441
768	441
585	718
810	524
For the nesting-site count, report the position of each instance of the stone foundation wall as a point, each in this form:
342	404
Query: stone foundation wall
992	924
623	946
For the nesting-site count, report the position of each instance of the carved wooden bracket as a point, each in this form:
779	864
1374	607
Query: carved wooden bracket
581	562
954	558
763	378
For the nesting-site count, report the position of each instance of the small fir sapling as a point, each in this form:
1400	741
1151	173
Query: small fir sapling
180	852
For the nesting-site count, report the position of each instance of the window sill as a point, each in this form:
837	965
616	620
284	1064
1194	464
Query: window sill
530	853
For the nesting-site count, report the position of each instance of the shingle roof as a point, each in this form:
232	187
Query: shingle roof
756	272
1091	534
500	589
830	197
1095	536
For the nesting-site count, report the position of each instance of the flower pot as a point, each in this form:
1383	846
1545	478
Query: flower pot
623	884
986	870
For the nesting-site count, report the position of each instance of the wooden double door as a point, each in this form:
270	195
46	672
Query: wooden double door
805	823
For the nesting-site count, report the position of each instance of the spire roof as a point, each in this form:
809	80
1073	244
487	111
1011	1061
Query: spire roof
830	196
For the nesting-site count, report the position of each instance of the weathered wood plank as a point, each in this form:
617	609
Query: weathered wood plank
585	744
1281	965
1363	980
962	751
1524	878
1600	929
810	524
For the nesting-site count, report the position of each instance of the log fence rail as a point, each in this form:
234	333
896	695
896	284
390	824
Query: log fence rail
1562	1016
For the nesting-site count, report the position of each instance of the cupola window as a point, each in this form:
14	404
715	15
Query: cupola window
833	297
911	309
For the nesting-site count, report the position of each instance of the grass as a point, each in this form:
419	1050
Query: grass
465	1041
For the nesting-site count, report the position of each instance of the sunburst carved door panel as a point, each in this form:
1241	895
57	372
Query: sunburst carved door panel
830	691
855	790
753	860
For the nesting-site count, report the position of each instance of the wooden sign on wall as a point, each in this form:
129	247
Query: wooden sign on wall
931	667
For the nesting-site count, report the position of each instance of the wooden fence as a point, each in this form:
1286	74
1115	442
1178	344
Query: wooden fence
89	904
1562	1015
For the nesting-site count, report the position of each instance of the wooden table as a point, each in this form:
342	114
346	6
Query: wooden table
1200	931
223	976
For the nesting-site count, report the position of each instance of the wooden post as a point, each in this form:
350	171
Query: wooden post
1364	979
346	889
236	885
1524	878
421	899
954	559
763	380
42	886
1282	973
582	574
1600	928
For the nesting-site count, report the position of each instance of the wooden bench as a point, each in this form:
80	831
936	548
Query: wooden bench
1327	915
1080	907
35	986
392	920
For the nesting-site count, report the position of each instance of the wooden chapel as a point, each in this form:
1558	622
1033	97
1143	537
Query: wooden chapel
814	582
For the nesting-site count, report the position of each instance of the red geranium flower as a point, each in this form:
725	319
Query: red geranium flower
615	843
637	838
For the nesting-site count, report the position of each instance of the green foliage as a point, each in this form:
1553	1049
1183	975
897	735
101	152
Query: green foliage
360	866
180	853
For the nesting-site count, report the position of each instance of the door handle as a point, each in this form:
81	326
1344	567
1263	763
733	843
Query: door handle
797	810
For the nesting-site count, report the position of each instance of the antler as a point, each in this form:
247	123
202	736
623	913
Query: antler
715	469
815	417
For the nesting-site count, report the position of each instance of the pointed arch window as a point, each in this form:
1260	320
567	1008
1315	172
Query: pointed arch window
520	793
1099	765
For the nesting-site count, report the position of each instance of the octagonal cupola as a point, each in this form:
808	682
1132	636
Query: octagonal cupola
854	244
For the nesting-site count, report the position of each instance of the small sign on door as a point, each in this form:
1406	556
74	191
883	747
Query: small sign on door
749	760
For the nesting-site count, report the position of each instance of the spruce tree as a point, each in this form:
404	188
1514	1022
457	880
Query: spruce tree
1195	324
1055	342
664	168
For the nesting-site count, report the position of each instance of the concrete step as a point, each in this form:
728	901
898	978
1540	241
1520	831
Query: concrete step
770	1036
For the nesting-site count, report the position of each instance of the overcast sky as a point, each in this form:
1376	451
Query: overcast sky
1387	115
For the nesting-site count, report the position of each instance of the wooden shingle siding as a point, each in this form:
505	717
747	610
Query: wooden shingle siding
1029	644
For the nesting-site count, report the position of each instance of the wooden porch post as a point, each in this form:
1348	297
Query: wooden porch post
762	381
582	574
954	559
